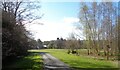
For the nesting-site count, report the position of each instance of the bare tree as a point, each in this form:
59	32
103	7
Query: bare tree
98	21
23	10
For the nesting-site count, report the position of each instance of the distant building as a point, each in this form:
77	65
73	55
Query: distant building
45	46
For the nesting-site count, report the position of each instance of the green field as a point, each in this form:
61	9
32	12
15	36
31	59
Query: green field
80	61
31	62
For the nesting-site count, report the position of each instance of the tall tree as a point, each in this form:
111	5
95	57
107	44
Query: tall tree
98	21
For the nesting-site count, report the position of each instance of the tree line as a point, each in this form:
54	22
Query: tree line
99	23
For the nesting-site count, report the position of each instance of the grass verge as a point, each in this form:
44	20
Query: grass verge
33	61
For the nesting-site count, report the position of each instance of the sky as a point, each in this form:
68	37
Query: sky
58	21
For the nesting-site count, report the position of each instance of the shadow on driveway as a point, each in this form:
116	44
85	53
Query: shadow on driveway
52	63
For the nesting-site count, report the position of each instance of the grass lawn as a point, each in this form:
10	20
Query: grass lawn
79	61
31	62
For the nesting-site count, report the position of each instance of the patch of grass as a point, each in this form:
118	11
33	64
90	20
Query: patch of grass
79	61
31	62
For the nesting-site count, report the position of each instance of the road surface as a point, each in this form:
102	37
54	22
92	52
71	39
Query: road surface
52	63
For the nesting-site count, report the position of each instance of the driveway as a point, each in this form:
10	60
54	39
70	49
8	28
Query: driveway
52	63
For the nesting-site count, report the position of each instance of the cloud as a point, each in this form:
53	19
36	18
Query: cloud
50	30
70	20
